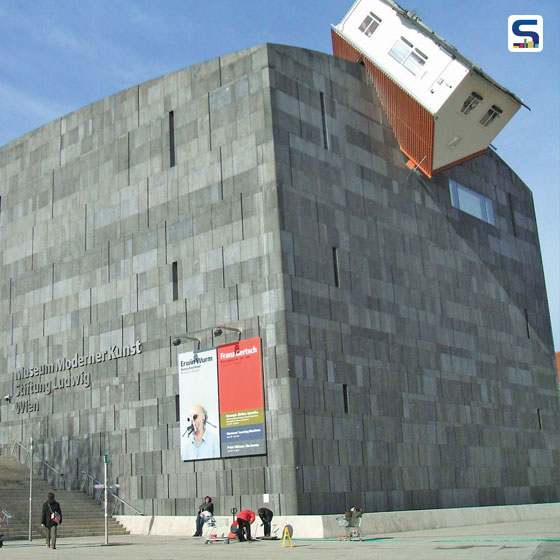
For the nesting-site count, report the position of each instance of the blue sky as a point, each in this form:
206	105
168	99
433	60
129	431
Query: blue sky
56	56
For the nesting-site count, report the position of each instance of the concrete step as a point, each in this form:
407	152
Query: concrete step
81	515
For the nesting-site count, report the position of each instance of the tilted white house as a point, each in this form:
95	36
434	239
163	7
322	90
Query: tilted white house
444	109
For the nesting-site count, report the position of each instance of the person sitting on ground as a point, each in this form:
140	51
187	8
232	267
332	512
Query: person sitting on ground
208	506
244	520
266	516
51	518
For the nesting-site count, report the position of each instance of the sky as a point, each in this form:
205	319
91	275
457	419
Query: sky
57	56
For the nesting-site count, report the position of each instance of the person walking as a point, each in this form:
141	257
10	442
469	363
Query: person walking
51	518
208	506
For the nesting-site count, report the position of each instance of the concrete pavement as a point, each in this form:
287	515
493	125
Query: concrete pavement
525	540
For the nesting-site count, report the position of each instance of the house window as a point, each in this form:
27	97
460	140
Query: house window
416	59
492	114
401	49
370	24
471	202
470	103
411	58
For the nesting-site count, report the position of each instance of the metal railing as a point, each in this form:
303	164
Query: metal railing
91	484
44	468
5	520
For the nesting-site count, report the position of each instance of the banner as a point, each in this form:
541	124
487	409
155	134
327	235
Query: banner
241	399
198	405
221	401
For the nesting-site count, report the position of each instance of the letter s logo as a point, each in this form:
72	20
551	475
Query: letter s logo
525	33
520	33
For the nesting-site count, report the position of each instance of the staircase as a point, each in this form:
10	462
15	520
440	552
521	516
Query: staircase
81	516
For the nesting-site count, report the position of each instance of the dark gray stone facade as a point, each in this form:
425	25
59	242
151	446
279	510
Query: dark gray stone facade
407	349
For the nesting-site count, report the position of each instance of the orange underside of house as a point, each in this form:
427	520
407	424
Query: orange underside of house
412	124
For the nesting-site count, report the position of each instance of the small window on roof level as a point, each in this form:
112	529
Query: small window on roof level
492	114
370	24
470	103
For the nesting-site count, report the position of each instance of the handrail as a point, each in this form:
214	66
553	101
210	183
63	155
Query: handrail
109	491
5	520
43	462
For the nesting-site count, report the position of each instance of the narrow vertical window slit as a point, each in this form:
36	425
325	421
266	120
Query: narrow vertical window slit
52	195
148	200
335	267
209	125
223	269
85	227
171	139
324	121
128	157
512	214
175	280
165	235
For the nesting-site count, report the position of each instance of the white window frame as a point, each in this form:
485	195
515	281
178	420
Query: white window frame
471	102
471	202
368	27
406	54
401	49
490	116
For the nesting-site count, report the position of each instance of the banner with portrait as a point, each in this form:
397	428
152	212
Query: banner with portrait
221	401
199	405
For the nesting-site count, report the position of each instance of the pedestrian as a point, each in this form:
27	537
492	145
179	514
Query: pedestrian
208	506
244	520
266	516
51	518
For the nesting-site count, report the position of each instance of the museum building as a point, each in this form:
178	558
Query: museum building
259	207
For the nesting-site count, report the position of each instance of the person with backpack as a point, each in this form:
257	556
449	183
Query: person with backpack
51	518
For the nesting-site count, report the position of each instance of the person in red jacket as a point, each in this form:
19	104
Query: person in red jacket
244	520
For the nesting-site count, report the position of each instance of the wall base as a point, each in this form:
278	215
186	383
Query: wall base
325	526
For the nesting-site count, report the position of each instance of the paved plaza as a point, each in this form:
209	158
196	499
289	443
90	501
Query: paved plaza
526	540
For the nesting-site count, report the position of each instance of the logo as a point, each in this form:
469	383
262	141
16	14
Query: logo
525	34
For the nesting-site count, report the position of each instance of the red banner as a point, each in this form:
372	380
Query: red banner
240	383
